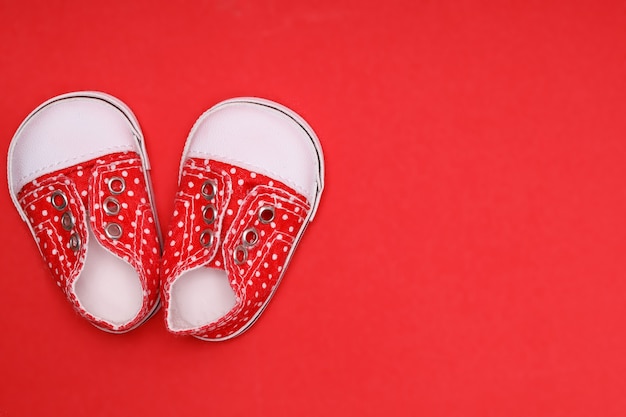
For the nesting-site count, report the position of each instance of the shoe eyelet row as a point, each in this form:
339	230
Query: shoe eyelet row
209	213
58	199
111	206
250	236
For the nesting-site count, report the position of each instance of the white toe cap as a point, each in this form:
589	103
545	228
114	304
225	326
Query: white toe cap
66	131
261	136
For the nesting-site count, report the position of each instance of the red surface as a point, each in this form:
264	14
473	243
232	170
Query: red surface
467	258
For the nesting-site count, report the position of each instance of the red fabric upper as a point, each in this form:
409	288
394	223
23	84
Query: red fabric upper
85	189
240	195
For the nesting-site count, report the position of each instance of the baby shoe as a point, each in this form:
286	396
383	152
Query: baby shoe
250	181
78	175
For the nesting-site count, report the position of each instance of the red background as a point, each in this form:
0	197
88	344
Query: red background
468	255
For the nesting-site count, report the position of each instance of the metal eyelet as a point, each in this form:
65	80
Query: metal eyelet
209	213
74	243
67	221
113	231
117	185
249	237
111	206
266	214
240	255
209	189
206	238
58	200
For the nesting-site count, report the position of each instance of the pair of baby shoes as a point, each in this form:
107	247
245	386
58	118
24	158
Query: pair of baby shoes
250	180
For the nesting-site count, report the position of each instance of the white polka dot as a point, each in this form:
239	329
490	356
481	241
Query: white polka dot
192	216
101	193
279	237
124	205
297	209
136	180
44	212
172	243
186	204
181	224
190	184
146	231
265	265
83	193
285	217
197	228
240	181
218	263
274	257
229	212
256	294
264	285
273	225
250	282
131	193
143	200
124	173
79	173
233	170
253	174
240	201
257	274
169	233
271	183
54	251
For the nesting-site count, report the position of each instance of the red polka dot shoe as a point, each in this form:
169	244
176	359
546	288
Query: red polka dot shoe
78	175
250	181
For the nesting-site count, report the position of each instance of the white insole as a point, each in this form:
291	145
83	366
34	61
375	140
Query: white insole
108	287
199	297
